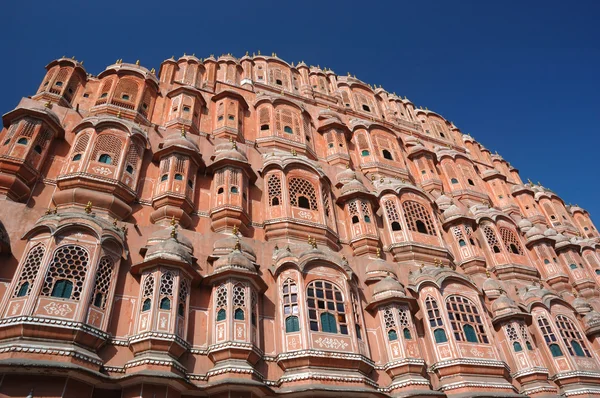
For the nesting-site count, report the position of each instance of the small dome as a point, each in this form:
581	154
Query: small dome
353	186
443	202
235	260
534	232
453	211
411	141
165	234
550	232
379	268
179	140
524	225
229	151
169	249
581	305
388	285
346	175
560	238
504	304
490	285
223	246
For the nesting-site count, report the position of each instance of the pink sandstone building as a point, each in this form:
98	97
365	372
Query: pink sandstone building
248	227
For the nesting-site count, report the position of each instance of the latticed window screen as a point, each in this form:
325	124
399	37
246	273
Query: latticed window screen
106	87
346	97
42	139
253	307
326	309
165	164
418	218
189	74
69	262
148	292
391	210
286	119
549	336
184	288
126	87
30	270
490	237
435	320
27	128
166	290
362	142
264	116
353	208
221	302
102	282
180	163
389	319
62	76
466	322
511	333
364	207
274	190
326	203
133	156
571	337
511	243
458	234
299	187
239	301
108	144
383	143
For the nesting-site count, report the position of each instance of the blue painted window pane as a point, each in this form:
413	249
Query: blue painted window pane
392	335
555	350
328	323
440	336
165	303
221	315
62	289
292	324
239	314
517	346
147	304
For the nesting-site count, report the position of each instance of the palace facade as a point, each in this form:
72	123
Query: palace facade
247	227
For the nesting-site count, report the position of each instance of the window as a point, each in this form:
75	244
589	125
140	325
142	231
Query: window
278	82
164	177
366	108
571	337
302	194
58	84
290	305
555	350
69	263
454	181
102	282
182	296
22	141
186	108
37	149
62	289
239	301
165	303
465	320
461	243
125	97
435	320
326	308
354	219
147	305
104	95
406	334
234	190
491	238
264	127
29	271
418	218
440	336
221	302
572	266
178	177
392	335
238	314
549	336
104	158
510	241
288	129
274	189
129	169
367	219
365	152
387	155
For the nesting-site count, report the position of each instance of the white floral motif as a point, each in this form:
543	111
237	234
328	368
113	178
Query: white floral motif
102	170
476	352
293	342
144	322
163	322
15	308
328	342
240	331
57	309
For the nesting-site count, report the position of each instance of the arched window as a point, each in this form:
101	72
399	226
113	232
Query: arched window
571	337
466	322
470	182
288	129
164	177
365	152
325	305
147	305
182	296
102	282
264	127
387	155
274	189
29	271
572	266
396	226
105	158
37	149
355	219
221	302
435	320
234	190
546	261
454	181
491	238
62	289
22	141
461	242
517	346
238	314
178	177
510	241
406	334
77	157
392	335
549	336
418	218
165	303
292	324
302	194
69	261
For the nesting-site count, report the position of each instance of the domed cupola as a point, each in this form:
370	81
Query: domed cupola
491	287
443	202
524	225
235	261
503	306
179	162
232	178
345	176
377	269
389	289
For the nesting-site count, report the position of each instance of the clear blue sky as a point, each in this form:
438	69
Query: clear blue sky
520	76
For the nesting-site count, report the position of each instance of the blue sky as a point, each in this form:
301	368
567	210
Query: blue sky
520	76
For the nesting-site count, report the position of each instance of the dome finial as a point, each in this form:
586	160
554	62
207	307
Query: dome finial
238	245
182	131
173	222
378	252
88	207
234	230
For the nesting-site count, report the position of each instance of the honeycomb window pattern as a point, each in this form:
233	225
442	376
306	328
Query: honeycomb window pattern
492	240
300	187
30	270
69	262
418	218
274	189
221	302
511	243
466	322
108	144
102	283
